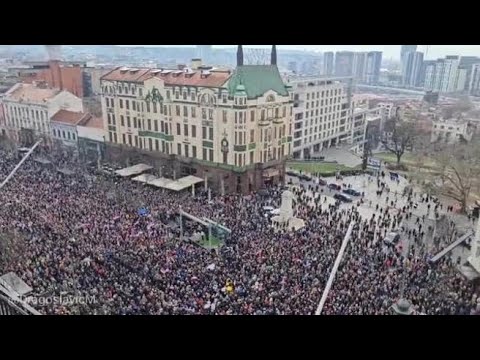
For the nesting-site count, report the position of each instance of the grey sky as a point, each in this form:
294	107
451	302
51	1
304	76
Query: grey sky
389	51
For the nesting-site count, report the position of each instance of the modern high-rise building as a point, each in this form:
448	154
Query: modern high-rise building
412	68
444	75
233	128
467	63
374	63
406	49
360	66
474	84
344	63
328	61
204	52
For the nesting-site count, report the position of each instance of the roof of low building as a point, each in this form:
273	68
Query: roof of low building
69	117
30	93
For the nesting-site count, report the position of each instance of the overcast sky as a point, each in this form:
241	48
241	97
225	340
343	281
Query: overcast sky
389	51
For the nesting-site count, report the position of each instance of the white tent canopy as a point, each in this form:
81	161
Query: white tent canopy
184	183
145	178
133	170
160	182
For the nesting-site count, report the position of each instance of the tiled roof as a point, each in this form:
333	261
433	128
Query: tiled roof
94	122
257	80
174	77
30	93
69	117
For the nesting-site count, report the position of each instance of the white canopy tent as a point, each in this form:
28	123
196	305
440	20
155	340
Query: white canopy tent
145	178
160	182
133	170
184	183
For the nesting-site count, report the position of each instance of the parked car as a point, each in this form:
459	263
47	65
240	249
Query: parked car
334	187
342	197
305	177
322	182
352	192
291	173
392	238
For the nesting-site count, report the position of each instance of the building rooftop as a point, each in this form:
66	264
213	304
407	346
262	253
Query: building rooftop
93	122
31	93
257	80
69	117
210	78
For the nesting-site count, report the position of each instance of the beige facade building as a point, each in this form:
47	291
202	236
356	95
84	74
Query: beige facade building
322	113
29	108
232	127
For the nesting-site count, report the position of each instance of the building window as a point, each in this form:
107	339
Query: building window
179	149
185	130
128	121
156	145
262	115
186	150
134	105
127	104
124	140
252	115
150	146
276	112
63	135
149	124
168	94
148	106
193	112
161	127
204	114
134	122
204	154
210	114
55	133
204	133
110	136
194	131
194	151
122	120
177	109
73	136
113	120
154	105
251	157
115	137
210	155
185	110
210	133
184	95
136	140
155	125
121	103
178	129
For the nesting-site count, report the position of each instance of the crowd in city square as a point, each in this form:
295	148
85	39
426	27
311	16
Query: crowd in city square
82	235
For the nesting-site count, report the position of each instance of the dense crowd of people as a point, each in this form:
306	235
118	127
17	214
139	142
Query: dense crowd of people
82	236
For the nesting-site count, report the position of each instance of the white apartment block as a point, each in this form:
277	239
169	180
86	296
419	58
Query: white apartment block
474	85
322	114
444	75
451	131
30	107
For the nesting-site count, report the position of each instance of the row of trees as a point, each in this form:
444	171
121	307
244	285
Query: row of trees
454	170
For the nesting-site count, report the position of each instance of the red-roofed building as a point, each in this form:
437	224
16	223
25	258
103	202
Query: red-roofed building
64	126
57	75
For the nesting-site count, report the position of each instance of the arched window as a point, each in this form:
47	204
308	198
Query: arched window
270	98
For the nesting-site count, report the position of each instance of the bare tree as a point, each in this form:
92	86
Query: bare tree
459	172
401	138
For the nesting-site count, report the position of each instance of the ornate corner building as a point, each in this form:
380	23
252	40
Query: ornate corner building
233	128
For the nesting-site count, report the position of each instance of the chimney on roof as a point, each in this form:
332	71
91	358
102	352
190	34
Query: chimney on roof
196	63
273	57
239	55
